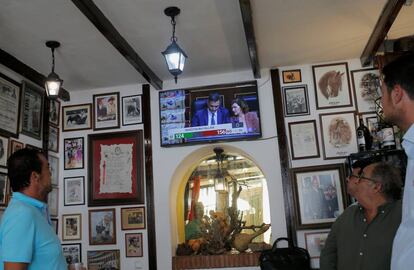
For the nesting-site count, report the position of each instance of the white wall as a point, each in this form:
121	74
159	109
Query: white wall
170	165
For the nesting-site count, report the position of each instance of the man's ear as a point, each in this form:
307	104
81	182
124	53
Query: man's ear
34	176
397	94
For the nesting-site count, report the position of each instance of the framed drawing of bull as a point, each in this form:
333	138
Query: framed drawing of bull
338	132
332	89
77	117
131	110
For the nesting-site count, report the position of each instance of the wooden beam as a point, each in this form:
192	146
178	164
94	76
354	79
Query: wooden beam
149	178
383	25
247	18
97	18
21	68
283	155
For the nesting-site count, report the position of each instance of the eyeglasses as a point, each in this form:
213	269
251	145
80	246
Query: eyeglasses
361	177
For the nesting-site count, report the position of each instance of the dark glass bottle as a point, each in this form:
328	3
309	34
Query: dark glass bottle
388	136
364	138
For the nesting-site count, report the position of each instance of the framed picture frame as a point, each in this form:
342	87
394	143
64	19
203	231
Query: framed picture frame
14	146
53	139
366	89
74	190
318	194
133	218
29	146
54	169
102	227
71	227
131	110
53	202
32	110
106	111
54	112
315	242
292	76
4	189
303	140
338	132
331	82
72	253
9	106
133	245
77	117
101	259
55	224
74	153
296	100
120	181
4	150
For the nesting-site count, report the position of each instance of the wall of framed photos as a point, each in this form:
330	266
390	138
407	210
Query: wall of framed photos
321	103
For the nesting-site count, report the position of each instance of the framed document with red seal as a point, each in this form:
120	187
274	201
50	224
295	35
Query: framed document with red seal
115	168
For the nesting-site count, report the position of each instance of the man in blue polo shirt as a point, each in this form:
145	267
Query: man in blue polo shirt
27	239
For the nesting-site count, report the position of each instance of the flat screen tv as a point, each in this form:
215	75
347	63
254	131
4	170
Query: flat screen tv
210	114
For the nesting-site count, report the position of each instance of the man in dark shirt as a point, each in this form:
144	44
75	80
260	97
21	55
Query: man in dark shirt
361	238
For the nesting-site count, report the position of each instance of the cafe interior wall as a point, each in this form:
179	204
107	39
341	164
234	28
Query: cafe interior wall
173	165
307	79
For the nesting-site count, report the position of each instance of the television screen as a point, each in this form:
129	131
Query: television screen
208	114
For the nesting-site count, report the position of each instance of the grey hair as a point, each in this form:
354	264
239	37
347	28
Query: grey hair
390	178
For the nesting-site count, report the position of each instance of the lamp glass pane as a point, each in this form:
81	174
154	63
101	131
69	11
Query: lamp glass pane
173	60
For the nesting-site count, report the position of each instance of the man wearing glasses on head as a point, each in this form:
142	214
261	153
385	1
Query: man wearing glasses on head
361	238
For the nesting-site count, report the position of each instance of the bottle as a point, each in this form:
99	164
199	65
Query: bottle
364	138
388	136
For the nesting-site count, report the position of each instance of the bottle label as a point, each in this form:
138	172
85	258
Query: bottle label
388	137
360	138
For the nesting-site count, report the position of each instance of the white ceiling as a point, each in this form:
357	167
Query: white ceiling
288	32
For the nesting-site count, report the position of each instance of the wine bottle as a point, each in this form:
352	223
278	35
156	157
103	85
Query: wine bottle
388	137
364	138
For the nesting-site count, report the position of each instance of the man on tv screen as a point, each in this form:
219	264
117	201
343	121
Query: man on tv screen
212	114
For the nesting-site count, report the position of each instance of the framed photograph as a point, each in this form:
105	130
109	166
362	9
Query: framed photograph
115	168
55	224
53	139
32	110
338	131
74	153
133	218
54	169
9	106
296	100
131	110
104	259
332	88
53	202
303	140
29	146
72	253
319	194
366	89
102	227
77	117
54	112
15	145
74	190
315	242
3	189
292	76
133	245
71	227
106	111
4	150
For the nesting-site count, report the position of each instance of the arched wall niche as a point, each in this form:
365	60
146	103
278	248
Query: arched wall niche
179	181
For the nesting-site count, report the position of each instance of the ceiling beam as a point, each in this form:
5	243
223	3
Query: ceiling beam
95	16
246	12
383	25
29	73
